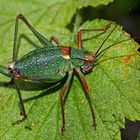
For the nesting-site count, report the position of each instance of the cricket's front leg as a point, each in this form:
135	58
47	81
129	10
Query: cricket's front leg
62	94
85	87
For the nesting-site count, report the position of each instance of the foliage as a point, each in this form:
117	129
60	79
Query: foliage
114	82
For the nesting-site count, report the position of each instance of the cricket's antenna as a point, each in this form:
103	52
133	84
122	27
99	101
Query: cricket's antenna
115	57
104	50
96	54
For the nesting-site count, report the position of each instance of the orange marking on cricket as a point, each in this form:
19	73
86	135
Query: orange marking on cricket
65	52
23	77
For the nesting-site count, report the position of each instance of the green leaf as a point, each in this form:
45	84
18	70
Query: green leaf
114	84
56	12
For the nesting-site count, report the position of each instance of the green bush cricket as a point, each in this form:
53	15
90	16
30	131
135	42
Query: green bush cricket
51	63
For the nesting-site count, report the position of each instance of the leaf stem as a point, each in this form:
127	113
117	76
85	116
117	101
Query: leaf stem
76	25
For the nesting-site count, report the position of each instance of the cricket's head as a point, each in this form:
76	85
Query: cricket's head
89	60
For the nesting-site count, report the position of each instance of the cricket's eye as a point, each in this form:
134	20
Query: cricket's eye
87	66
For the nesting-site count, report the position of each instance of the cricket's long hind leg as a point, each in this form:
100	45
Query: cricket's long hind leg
40	37
23	115
62	94
84	84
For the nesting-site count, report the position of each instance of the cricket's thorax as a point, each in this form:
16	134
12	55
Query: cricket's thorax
76	56
83	59
47	63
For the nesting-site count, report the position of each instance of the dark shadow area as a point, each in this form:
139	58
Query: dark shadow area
51	88
28	85
131	131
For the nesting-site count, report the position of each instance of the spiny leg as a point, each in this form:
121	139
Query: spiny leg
79	39
62	94
23	115
85	86
53	38
41	38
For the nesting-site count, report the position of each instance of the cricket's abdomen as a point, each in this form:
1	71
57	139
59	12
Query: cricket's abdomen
45	63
